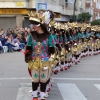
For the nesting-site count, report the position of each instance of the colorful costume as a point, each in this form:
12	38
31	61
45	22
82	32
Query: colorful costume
39	53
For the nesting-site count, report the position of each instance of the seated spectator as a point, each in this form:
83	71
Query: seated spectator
1	32
0	36
26	36
17	48
6	42
1	48
22	41
28	30
18	43
13	34
8	32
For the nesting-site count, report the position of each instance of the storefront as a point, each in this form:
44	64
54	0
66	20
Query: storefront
7	22
12	17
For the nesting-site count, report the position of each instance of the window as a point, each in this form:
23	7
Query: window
66	1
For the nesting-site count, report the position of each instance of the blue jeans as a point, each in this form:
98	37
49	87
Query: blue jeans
1	48
22	45
10	46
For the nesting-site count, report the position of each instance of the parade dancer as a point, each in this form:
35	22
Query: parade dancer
75	53
38	52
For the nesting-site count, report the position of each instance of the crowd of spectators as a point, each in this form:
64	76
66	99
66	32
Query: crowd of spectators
14	40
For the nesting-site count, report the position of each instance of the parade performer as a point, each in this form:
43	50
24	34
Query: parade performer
55	29
89	44
57	47
39	51
68	57
61	43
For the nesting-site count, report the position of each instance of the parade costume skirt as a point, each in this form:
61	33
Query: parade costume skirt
40	75
40	71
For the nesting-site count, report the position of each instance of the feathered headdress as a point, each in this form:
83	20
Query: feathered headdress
42	16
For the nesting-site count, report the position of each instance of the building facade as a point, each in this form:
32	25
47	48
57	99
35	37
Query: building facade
96	9
93	7
14	13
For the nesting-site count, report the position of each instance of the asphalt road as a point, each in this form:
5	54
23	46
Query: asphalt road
80	82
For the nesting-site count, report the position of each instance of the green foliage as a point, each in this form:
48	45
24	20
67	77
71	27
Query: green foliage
74	17
95	22
84	17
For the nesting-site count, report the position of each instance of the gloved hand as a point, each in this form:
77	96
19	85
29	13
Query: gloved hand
28	54
47	14
45	68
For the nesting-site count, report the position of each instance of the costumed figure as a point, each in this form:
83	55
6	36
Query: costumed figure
89	44
68	60
75	52
95	47
53	30
98	45
61	43
79	49
39	53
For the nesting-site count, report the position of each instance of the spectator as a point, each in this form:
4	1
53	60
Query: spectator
26	36
14	39
1	48
6	41
13	34
8	32
16	30
18	42
17	48
1	31
28	30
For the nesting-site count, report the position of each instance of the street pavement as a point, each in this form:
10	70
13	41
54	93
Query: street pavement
80	82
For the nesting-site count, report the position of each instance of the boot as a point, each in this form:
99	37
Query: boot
35	99
42	96
34	94
55	72
61	69
66	68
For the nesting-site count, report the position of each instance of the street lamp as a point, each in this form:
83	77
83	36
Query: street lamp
74	10
90	9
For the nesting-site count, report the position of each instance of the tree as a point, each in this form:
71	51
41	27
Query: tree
74	18
95	22
84	17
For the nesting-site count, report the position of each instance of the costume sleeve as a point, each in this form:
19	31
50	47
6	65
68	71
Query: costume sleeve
65	40
51	41
51	44
55	38
73	38
79	35
87	35
28	51
29	41
57	41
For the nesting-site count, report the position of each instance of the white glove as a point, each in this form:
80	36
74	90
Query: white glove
45	68
47	19
47	14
